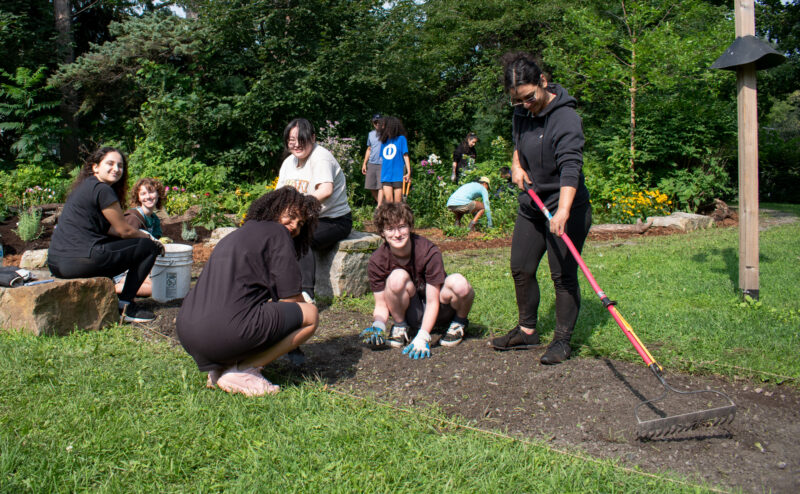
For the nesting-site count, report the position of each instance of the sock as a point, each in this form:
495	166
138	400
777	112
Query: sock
379	324
461	320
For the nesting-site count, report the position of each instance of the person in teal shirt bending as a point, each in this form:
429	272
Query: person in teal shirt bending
462	202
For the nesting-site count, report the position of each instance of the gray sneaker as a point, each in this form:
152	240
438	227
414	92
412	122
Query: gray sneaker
398	337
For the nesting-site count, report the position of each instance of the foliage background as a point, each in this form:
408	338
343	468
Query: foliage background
198	92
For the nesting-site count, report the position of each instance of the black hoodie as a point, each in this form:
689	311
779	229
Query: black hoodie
550	146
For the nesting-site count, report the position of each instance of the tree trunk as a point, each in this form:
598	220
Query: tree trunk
633	106
69	100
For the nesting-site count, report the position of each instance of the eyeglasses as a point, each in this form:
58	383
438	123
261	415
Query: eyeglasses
526	100
402	230
293	143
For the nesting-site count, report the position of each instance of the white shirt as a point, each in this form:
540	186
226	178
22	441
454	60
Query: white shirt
320	167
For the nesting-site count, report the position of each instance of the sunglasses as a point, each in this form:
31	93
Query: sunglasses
526	100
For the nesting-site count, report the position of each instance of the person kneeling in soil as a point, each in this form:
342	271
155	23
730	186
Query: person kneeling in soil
408	281
146	198
462	202
246	309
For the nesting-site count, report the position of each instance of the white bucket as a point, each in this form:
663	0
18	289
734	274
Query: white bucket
172	273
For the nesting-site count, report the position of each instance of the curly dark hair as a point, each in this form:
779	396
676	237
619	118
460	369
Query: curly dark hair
390	128
272	205
391	214
520	68
120	187
149	184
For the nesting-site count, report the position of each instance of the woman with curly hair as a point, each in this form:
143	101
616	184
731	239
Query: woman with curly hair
246	309
146	198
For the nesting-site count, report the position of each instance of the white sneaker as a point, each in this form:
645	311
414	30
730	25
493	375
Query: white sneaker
398	338
309	299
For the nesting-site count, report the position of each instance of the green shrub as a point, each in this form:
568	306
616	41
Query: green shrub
29	225
152	160
692	189
31	185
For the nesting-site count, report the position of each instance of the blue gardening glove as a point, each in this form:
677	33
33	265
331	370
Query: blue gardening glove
373	335
419	347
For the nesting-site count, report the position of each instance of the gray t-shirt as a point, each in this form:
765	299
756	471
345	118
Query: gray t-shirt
374	144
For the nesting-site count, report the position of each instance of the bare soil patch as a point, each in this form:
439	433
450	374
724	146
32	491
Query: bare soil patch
582	406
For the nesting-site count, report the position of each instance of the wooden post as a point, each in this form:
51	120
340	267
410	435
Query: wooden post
748	158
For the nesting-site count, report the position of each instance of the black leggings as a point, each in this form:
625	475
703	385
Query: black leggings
530	241
136	255
328	232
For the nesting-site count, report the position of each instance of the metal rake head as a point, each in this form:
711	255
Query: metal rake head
666	425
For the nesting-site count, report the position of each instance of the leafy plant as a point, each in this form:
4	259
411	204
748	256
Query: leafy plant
28	111
151	159
210	216
189	235
29	225
693	188
455	231
629	207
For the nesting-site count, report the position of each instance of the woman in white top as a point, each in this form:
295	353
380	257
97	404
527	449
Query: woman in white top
312	170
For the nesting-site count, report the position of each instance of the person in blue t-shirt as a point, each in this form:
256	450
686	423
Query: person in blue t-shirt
394	152
462	202
371	168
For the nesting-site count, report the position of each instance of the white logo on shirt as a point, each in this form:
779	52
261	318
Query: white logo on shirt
389	151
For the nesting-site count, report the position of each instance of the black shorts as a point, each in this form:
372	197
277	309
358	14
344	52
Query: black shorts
416	309
219	348
394	185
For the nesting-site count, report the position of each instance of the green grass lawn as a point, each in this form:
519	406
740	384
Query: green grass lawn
110	412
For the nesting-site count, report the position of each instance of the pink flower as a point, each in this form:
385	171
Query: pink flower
174	187
183	190
207	194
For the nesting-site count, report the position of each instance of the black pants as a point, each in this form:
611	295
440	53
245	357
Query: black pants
328	232
136	255
530	241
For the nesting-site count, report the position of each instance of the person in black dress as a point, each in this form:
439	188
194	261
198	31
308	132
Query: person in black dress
246	309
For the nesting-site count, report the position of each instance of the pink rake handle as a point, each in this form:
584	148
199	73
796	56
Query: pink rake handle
623	324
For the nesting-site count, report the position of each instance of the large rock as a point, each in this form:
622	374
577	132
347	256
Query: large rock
343	269
684	221
59	307
34	259
218	234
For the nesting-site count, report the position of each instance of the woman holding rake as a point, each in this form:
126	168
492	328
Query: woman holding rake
548	156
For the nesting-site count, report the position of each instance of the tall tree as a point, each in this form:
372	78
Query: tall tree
639	58
69	102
